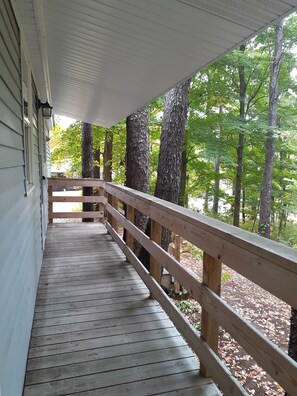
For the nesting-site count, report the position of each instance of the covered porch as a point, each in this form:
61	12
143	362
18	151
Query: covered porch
103	324
98	61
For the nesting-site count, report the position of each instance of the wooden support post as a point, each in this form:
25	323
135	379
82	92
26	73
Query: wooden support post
101	205
50	204
177	286
130	214
109	216
212	274
115	204
155	268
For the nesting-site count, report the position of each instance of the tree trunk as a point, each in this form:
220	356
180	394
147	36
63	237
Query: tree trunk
216	192
170	156
243	205
96	165
107	156
137	160
87	165
206	201
265	203
239	161
172	138
183	198
283	213
293	336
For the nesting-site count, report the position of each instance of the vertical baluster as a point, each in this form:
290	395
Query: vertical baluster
115	205
130	214
177	286
50	204
155	268
212	273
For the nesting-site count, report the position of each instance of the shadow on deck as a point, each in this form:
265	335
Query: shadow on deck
96	331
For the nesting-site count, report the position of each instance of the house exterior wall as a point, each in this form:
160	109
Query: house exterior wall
22	205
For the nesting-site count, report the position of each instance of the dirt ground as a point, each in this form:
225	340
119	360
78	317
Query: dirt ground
269	314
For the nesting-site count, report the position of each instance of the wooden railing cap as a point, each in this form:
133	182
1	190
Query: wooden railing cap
270	250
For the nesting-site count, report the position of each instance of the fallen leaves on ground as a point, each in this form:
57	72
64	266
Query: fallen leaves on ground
267	313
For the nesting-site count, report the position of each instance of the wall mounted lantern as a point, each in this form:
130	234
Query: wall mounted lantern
46	109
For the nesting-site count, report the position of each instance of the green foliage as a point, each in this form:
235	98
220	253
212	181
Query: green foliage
214	124
225	277
66	148
197	326
288	235
186	306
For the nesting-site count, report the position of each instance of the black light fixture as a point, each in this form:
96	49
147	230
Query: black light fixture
46	109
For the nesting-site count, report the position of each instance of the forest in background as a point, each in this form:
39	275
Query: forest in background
226	132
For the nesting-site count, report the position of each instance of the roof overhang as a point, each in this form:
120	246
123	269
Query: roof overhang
100	60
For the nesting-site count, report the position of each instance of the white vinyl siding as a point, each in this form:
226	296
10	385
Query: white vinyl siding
20	225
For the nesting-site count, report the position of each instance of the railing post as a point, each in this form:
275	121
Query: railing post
130	215
212	274
101	204
109	216
114	202
177	286
50	204
155	268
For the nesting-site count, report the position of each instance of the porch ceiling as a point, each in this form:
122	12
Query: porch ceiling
100	60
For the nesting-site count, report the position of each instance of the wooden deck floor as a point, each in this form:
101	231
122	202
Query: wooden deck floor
96	332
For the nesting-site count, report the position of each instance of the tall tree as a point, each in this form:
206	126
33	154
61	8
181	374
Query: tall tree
216	193
170	155
137	159
240	146
172	137
96	164
265	202
183	197
107	156
87	164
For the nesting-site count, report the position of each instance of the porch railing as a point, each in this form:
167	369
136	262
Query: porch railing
266	263
63	183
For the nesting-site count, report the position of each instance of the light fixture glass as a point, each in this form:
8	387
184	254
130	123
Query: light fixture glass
46	109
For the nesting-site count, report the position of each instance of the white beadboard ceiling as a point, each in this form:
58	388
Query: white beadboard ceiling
100	60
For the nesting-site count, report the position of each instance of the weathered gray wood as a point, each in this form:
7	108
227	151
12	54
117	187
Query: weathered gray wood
115	377
113	363
172	382
97	342
105	301
95	327
104	332
93	295
103	353
96	324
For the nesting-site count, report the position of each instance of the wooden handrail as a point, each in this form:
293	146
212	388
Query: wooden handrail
266	263
76	182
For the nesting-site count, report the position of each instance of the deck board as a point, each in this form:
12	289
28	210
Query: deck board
96	331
